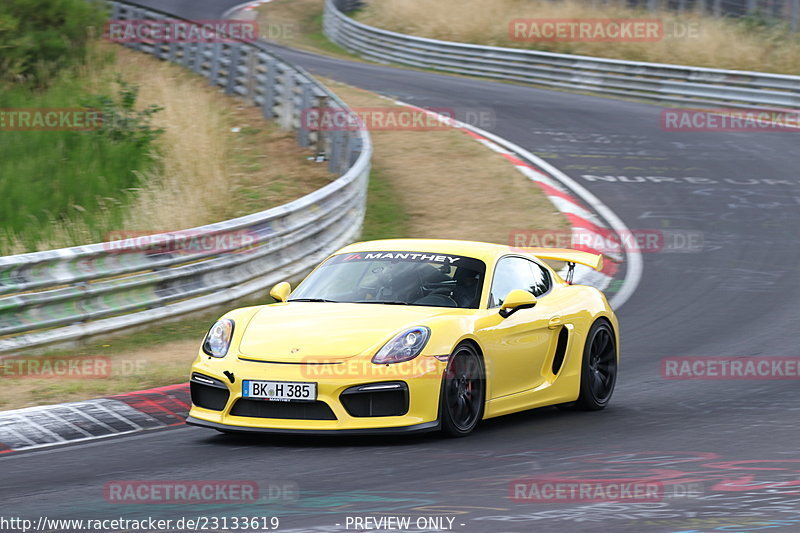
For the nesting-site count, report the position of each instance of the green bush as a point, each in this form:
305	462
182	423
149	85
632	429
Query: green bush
39	38
122	122
56	177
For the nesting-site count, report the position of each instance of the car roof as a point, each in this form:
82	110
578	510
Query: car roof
478	250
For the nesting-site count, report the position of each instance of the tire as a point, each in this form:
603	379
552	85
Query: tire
463	395
599	367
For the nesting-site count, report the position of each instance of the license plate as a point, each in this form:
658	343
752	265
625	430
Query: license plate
279	391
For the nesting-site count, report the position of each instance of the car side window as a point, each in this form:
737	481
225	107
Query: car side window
517	273
541	279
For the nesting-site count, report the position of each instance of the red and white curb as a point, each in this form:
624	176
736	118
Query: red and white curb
52	425
590	219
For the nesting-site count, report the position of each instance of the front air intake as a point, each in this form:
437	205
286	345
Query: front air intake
208	393
316	410
376	399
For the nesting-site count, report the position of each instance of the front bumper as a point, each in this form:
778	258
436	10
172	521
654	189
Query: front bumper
416	428
421	377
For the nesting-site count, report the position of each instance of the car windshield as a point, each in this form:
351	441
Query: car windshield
396	278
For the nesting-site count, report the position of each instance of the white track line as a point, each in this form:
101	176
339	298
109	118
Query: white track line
633	256
243	5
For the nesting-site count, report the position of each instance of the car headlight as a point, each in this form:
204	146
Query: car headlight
404	346
218	338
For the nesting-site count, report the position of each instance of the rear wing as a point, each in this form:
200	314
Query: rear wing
567	255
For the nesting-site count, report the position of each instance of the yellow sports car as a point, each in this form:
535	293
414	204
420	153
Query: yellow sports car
410	335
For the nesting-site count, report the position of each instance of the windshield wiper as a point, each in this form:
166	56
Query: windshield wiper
313	300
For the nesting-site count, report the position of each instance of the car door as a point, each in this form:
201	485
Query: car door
518	345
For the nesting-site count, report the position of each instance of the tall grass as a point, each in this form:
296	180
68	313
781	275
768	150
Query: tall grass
202	171
50	178
39	38
747	44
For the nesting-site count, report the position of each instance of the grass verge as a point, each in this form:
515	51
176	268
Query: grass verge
386	217
157	356
49	177
217	159
752	43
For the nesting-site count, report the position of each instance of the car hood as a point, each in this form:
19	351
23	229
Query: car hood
299	331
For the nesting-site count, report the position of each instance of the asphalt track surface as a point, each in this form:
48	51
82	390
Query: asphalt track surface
728	450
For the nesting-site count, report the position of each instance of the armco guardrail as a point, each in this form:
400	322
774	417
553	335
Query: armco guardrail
62	295
667	83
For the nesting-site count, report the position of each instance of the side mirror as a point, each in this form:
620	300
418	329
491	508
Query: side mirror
516	300
281	291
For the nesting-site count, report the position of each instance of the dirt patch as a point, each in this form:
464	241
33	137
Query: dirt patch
29	381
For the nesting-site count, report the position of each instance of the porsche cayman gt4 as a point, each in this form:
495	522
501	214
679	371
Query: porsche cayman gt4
410	335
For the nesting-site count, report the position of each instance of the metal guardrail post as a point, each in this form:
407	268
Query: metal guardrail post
320	147
136	14
351	145
158	47
269	89
172	56
335	149
250	77
216	60
288	105
235	54
306	106
186	55
199	57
